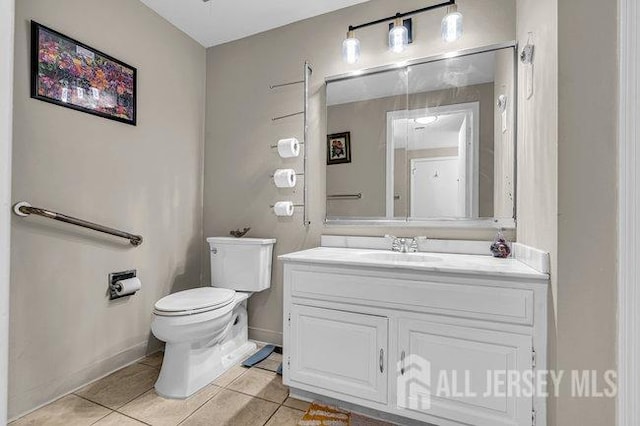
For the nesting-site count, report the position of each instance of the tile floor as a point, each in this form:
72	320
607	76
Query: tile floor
240	397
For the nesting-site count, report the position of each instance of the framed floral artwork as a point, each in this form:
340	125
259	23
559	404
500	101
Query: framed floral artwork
339	148
68	73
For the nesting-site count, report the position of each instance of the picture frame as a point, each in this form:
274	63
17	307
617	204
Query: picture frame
69	73
339	148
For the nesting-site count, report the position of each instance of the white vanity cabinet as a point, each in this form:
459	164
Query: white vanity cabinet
473	354
334	349
424	341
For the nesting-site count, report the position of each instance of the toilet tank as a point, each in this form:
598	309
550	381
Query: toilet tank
242	264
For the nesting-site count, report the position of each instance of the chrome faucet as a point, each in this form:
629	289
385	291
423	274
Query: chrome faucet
403	245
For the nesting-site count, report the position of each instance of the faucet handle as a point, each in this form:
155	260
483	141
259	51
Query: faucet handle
412	245
396	243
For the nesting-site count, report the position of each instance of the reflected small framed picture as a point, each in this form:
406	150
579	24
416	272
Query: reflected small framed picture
339	148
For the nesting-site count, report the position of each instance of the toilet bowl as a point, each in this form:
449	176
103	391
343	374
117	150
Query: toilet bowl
206	329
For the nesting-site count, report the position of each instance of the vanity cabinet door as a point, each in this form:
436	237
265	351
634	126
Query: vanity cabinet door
446	370
339	352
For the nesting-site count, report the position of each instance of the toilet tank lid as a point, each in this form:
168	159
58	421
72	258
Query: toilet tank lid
241	241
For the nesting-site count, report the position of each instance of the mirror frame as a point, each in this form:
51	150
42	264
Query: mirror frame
457	223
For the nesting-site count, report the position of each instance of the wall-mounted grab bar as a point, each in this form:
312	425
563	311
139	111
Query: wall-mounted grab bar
357	196
25	209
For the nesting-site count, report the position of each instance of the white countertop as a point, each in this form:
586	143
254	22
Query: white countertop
436	262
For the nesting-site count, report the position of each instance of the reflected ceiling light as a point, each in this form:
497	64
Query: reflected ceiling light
400	32
398	36
452	25
351	48
430	119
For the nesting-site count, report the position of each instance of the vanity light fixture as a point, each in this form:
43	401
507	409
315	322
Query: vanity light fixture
430	119
400	32
398	36
351	48
452	25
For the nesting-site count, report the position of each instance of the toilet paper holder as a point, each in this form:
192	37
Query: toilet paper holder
119	276
308	70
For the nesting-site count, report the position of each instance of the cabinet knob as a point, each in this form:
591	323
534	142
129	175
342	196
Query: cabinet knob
402	356
382	360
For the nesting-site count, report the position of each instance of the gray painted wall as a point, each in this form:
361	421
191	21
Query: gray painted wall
537	179
238	160
146	179
587	200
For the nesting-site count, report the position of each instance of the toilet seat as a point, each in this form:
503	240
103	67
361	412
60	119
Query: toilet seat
194	301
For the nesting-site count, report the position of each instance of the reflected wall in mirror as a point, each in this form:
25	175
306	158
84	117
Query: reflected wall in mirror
433	140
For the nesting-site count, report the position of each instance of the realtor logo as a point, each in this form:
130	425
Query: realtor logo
414	383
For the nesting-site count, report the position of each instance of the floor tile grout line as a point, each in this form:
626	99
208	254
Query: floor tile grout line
245	394
203	404
93	402
55	401
149	365
188	415
271	416
219	389
133	418
253	396
135	397
197	409
226	387
120	406
278	409
144	361
108	414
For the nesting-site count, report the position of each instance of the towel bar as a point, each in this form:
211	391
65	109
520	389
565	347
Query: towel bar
357	196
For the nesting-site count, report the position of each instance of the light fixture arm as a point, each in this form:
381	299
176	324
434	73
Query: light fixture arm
402	15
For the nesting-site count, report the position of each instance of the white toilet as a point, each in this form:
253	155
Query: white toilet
205	329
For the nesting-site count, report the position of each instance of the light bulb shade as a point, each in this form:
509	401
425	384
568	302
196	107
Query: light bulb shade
430	119
351	49
398	37
452	26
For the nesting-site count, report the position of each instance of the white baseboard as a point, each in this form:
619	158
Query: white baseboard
266	336
27	402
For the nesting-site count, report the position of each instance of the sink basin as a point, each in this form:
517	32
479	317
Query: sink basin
395	257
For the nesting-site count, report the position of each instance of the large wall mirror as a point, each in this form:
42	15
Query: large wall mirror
430	141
